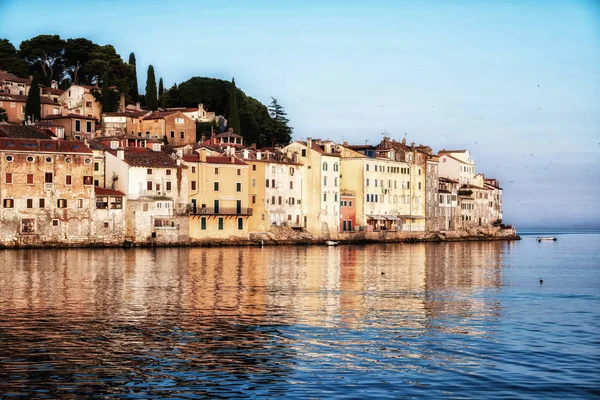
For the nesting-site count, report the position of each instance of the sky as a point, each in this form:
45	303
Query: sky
515	82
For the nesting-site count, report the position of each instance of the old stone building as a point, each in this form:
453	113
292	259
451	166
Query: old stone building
47	192
176	127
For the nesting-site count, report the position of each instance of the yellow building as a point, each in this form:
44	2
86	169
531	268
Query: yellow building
275	189
320	185
218	193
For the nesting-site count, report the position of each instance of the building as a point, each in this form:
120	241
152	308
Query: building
218	196
347	210
225	139
177	128
458	165
79	100
14	105
156	186
275	189
47	192
115	123
109	215
321	184
447	215
12	84
76	127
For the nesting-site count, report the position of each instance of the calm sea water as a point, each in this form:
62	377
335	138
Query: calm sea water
467	320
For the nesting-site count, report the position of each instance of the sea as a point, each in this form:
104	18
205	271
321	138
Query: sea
435	320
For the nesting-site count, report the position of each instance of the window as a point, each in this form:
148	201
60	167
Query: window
367	167
54	222
61	203
102	202
367	181
116	203
193	170
267	183
335	182
375	167
253	182
8	177
88	180
291	184
182	135
292	201
376	182
272	199
324	166
79	203
145	207
88	126
149	185
273	183
336	167
216	206
254	167
350	203
193	185
29	203
216	186
28	225
279	200
216	171
203	223
42	203
253	199
149	171
168	172
148	134
324	181
238	187
172	134
8	203
324	196
239	172
48	177
335	197
96	166
9	158
220	223
168	185
77	125
179	120
419	185
303	152
240	224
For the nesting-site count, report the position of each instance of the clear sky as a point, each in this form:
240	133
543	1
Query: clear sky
515	82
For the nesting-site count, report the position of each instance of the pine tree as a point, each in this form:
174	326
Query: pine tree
233	120
151	99
281	132
134	84
33	105
161	94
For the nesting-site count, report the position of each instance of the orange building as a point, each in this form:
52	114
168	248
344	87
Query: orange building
178	128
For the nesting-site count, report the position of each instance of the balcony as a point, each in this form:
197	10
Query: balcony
222	211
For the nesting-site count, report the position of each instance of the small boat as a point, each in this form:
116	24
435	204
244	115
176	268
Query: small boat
331	243
546	238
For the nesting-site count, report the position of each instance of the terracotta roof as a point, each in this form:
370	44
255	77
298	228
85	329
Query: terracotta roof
21	132
159	114
143	157
44	146
228	134
454	158
69	116
18	98
444	151
360	147
127	113
443	179
107	192
214	159
52	90
7	76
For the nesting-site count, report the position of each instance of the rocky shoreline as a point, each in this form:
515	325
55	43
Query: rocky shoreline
279	236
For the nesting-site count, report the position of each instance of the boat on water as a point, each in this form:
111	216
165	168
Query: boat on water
331	243
546	238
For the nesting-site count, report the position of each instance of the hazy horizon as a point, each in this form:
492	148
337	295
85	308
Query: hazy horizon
518	84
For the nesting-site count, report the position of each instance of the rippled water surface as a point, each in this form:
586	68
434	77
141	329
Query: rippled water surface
439	320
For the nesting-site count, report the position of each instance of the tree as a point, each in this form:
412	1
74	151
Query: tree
165	140
3	115
77	54
45	53
173	97
33	105
151	99
105	60
161	95
233	118
10	60
279	129
134	83
107	105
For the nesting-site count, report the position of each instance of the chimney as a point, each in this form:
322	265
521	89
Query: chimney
54	84
122	103
258	155
309	142
404	141
232	158
345	144
138	106
156	113
246	154
202	155
121	154
253	146
178	161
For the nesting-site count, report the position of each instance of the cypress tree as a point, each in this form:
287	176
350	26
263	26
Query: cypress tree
233	120
134	84
107	105
161	94
151	99
33	105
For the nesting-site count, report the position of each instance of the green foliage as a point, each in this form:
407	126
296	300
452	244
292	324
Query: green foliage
104	60
255	121
45	56
3	115
497	223
233	118
161	94
133	93
165	140
11	61
33	105
107	105
280	131
151	99
465	192
173	97
204	129
76	56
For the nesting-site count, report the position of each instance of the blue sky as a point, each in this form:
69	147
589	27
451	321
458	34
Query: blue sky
515	82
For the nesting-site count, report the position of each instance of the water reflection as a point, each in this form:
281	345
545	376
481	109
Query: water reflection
245	320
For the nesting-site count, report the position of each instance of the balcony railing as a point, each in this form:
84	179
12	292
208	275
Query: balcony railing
243	211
